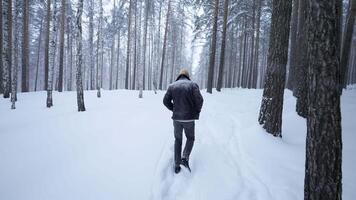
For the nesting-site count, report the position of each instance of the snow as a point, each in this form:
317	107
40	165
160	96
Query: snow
122	148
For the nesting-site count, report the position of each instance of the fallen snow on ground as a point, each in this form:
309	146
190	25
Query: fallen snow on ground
122	148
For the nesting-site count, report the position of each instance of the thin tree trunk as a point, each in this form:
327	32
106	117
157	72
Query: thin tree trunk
346	43
15	59
52	53
164	45
128	47
213	49
79	60
48	23
91	44
25	49
7	45
222	52
61	47
38	54
293	44
142	87
256	59
1	48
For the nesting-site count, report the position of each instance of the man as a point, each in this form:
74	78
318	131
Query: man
183	98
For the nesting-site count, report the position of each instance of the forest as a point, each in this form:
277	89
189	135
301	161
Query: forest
278	47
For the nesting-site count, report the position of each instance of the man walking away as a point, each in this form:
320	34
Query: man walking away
183	98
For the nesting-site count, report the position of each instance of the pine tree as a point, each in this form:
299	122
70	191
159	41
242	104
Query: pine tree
7	47
222	55
272	101
52	54
61	47
1	46
25	48
79	60
323	170
164	45
128	47
213	49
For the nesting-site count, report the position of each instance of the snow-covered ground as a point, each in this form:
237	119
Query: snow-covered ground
122	148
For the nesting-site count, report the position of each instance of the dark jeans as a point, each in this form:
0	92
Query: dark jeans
178	132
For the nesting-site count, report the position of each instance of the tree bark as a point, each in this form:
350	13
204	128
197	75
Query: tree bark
346	43
38	54
293	44
7	45
61	47
25	48
272	100
164	45
222	52
301	62
52	54
79	60
128	48
48	23
1	48
213	49
323	171
91	44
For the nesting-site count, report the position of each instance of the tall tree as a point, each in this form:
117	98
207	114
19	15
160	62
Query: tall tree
48	24
52	54
25	48
164	45
142	85
7	46
213	49
15	58
128	47
323	171
346	43
293	44
79	60
272	101
1	56
222	52
91	43
100	59
300	85
61	47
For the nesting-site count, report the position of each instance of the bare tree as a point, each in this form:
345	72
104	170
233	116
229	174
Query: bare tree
128	47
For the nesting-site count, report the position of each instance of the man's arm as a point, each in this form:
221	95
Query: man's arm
167	100
198	99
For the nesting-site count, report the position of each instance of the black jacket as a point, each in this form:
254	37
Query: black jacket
184	99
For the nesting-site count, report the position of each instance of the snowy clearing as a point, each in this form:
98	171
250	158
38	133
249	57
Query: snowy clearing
122	148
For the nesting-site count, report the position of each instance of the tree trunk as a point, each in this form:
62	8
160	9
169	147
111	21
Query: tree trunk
38	54
52	53
61	47
142	86
25	48
257	48
296	12
301	62
91	44
213	49
1	48
346	43
7	45
100	60
15	59
135	48
272	100
79	60
128	48
164	45
323	171
48	23
222	52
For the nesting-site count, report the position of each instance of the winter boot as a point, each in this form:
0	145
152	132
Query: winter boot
177	169
185	163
